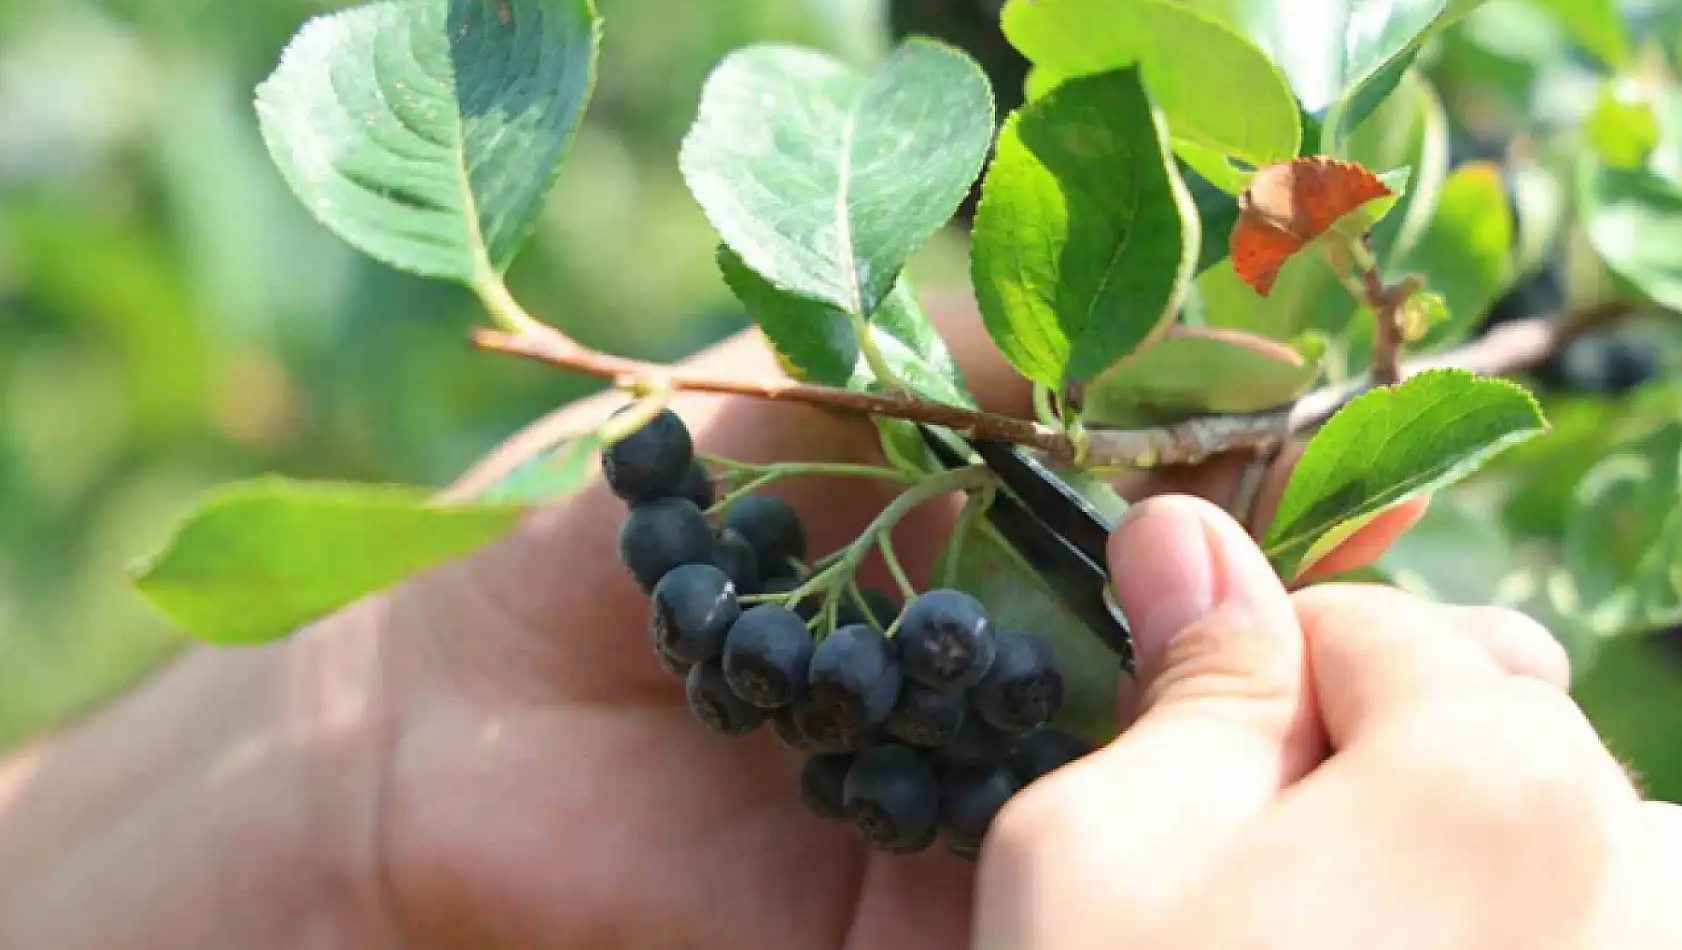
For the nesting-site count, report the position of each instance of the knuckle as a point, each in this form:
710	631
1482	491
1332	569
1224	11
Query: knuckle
1229	657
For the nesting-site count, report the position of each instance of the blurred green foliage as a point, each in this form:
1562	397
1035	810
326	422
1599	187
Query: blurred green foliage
171	318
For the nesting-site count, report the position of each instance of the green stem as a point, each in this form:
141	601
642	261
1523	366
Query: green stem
1043	410
626	424
974	508
873	357
891	558
815	469
504	310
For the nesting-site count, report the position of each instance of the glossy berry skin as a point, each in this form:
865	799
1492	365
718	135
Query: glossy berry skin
766	656
716	705
976	745
695	607
1043	751
969	799
926	717
854	671
697	486
884	608
662	535
893	797
945	640
822	780
733	555
772	527
1023	689
652	462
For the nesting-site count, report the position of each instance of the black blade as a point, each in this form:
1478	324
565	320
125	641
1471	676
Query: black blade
1077	579
1052	499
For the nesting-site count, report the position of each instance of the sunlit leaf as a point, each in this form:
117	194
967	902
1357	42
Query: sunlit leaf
555	473
428	133
1623	539
258	560
1391	445
1085	239
1191	371
1466	252
1634	221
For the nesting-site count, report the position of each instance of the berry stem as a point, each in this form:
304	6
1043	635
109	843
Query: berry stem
974	507
814	469
890	557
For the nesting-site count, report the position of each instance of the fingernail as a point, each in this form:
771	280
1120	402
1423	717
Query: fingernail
1164	573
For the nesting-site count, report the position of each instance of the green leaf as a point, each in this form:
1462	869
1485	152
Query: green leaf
1216	88
1596	25
428	133
823	180
258	560
1391	445
1342	57
980	562
1542	204
549	475
1085	238
820	342
1194	371
1623	127
1623	539
1634	222
1466	252
1633	695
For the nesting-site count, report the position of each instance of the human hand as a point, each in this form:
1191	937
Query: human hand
546	785
1348	766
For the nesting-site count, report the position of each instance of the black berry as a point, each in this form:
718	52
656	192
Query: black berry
766	656
854	674
788	729
969	798
663	535
697	486
945	640
1043	751
1023	689
893	796
831	731
926	717
695	607
883	609
976	744
734	556
713	702
772	527
822	782
652	462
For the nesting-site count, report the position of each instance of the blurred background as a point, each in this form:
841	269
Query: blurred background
170	317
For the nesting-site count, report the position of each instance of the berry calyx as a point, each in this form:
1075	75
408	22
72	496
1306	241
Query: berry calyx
1023	689
712	701
945	640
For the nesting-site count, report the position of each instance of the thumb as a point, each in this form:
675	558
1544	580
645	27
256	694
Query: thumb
1225	717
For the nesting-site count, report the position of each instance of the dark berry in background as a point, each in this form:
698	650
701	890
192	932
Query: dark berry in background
767	655
969	799
697	486
695	607
884	608
1024	688
822	781
945	640
663	535
976	744
773	528
1603	364
734	556
855	676
652	462
808	606
893	797
1043	751
926	717
715	704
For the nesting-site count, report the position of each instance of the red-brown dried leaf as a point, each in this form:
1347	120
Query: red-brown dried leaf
1290	204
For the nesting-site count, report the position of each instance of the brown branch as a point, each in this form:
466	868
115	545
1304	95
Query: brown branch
1505	349
1386	304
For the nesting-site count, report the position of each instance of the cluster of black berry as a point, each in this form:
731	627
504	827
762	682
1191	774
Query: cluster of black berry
918	723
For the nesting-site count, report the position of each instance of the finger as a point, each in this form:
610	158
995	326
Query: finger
1226	720
1521	645
1379	653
